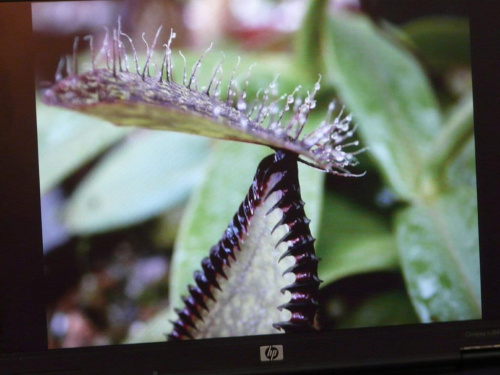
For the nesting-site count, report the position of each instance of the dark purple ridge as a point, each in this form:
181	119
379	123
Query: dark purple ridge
304	291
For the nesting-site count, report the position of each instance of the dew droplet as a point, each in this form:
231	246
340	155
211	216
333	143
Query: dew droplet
339	157
343	126
242	105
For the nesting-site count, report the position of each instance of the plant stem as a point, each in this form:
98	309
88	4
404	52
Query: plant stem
308	43
450	142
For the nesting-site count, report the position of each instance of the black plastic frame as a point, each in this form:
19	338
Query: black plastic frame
23	345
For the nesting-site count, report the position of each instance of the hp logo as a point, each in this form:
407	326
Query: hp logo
271	353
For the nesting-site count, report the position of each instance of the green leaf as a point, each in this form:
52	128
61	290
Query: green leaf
167	226
388	94
148	174
308	41
439	250
389	308
210	209
462	170
441	41
352	241
67	140
154	330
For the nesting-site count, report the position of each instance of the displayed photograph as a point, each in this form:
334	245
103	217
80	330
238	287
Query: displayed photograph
221	168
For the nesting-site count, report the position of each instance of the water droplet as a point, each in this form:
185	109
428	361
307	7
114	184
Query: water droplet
244	122
217	111
242	105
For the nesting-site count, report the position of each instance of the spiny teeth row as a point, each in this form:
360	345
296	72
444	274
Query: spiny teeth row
222	254
304	290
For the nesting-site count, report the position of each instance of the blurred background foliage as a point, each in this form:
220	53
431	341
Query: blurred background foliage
128	213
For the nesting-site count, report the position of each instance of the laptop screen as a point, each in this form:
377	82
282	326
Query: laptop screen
128	213
226	169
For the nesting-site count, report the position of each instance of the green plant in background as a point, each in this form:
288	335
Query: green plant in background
425	153
423	150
